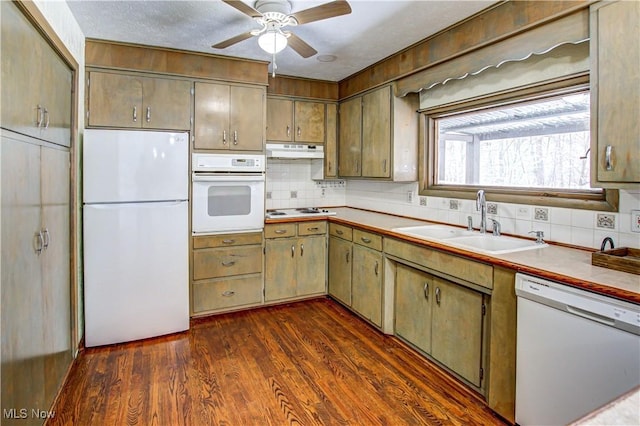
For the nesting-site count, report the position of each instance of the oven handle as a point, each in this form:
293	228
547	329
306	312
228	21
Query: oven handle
236	177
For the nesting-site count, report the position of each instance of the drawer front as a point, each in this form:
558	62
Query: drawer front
341	231
225	262
459	267
227	293
312	228
227	240
280	230
367	239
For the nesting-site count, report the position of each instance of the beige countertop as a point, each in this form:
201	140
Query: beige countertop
563	264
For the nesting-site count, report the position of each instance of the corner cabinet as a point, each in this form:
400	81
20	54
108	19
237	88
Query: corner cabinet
379	136
295	121
296	260
229	117
615	94
134	101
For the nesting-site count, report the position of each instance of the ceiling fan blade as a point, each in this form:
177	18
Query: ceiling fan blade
300	46
244	8
232	41
324	11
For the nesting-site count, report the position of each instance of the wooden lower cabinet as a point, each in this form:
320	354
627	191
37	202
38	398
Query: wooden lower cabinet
340	260
295	259
414	292
366	283
226	272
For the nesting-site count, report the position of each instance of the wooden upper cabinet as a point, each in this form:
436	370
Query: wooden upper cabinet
229	117
331	144
295	121
36	83
119	100
379	136
615	94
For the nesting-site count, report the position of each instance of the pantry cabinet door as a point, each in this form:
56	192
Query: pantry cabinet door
331	144
376	133
350	138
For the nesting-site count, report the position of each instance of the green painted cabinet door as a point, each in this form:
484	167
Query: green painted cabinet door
312	265
456	339
280	269
414	296
367	283
340	257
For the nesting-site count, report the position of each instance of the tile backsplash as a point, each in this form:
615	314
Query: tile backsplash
584	228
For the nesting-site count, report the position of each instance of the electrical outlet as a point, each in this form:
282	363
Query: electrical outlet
269	195
323	193
635	220
423	201
294	194
409	196
606	221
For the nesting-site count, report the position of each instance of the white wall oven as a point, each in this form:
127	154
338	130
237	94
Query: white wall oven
227	193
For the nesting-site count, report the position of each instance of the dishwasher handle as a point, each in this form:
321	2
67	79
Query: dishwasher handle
591	316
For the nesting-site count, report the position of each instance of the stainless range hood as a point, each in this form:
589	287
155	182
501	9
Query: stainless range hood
294	151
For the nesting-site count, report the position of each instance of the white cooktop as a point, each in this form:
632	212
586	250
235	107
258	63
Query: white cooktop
301	212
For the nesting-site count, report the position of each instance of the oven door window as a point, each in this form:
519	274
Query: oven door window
229	200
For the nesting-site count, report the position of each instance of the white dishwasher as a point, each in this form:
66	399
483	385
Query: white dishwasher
576	351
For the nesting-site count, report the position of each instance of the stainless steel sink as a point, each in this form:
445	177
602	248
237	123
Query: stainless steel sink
470	240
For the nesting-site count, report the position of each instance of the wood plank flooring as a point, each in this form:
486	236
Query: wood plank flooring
305	363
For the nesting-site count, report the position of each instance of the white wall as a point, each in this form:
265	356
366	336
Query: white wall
570	226
59	16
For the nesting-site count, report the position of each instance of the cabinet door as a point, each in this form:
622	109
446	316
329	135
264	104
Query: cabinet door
20	63
414	294
350	137
309	121
56	276
22	313
615	51
340	257
279	120
376	133
312	265
457	329
115	100
280	269
247	118
211	124
367	283
167	104
56	99
331	144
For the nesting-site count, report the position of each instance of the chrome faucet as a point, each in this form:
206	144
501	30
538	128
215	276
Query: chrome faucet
481	205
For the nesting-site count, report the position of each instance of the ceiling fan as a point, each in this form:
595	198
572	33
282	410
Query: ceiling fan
274	15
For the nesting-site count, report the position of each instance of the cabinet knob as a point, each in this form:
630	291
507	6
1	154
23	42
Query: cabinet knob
293	251
608	161
235	137
438	295
280	231
288	131
299	131
375	269
365	240
425	289
148	114
135	113
301	250
224	137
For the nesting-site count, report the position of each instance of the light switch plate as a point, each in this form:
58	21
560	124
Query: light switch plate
635	220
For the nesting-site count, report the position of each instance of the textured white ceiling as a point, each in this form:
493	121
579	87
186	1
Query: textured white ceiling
374	30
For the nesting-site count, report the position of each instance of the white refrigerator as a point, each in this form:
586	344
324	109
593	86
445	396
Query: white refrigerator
136	236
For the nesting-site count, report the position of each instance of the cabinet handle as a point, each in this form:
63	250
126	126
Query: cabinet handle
375	268
288	130
339	232
40	244
438	295
235	137
301	250
608	163
299	131
46	238
329	166
315	228
135	113
40	117
348	253
293	251
365	240
148	114
280	231
46	118
224	137
228	293
228	241
229	263
384	166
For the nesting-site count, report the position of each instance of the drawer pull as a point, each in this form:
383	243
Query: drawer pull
228	293
314	229
229	263
365	240
228	241
339	232
301	250
293	251
280	231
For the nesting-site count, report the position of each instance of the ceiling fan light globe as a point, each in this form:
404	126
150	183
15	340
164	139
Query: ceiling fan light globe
272	42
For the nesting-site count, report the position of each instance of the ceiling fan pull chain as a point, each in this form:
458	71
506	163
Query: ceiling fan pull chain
274	66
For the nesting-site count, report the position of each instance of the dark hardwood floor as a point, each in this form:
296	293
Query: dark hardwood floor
304	363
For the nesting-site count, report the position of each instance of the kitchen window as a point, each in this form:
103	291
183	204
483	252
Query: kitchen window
528	147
